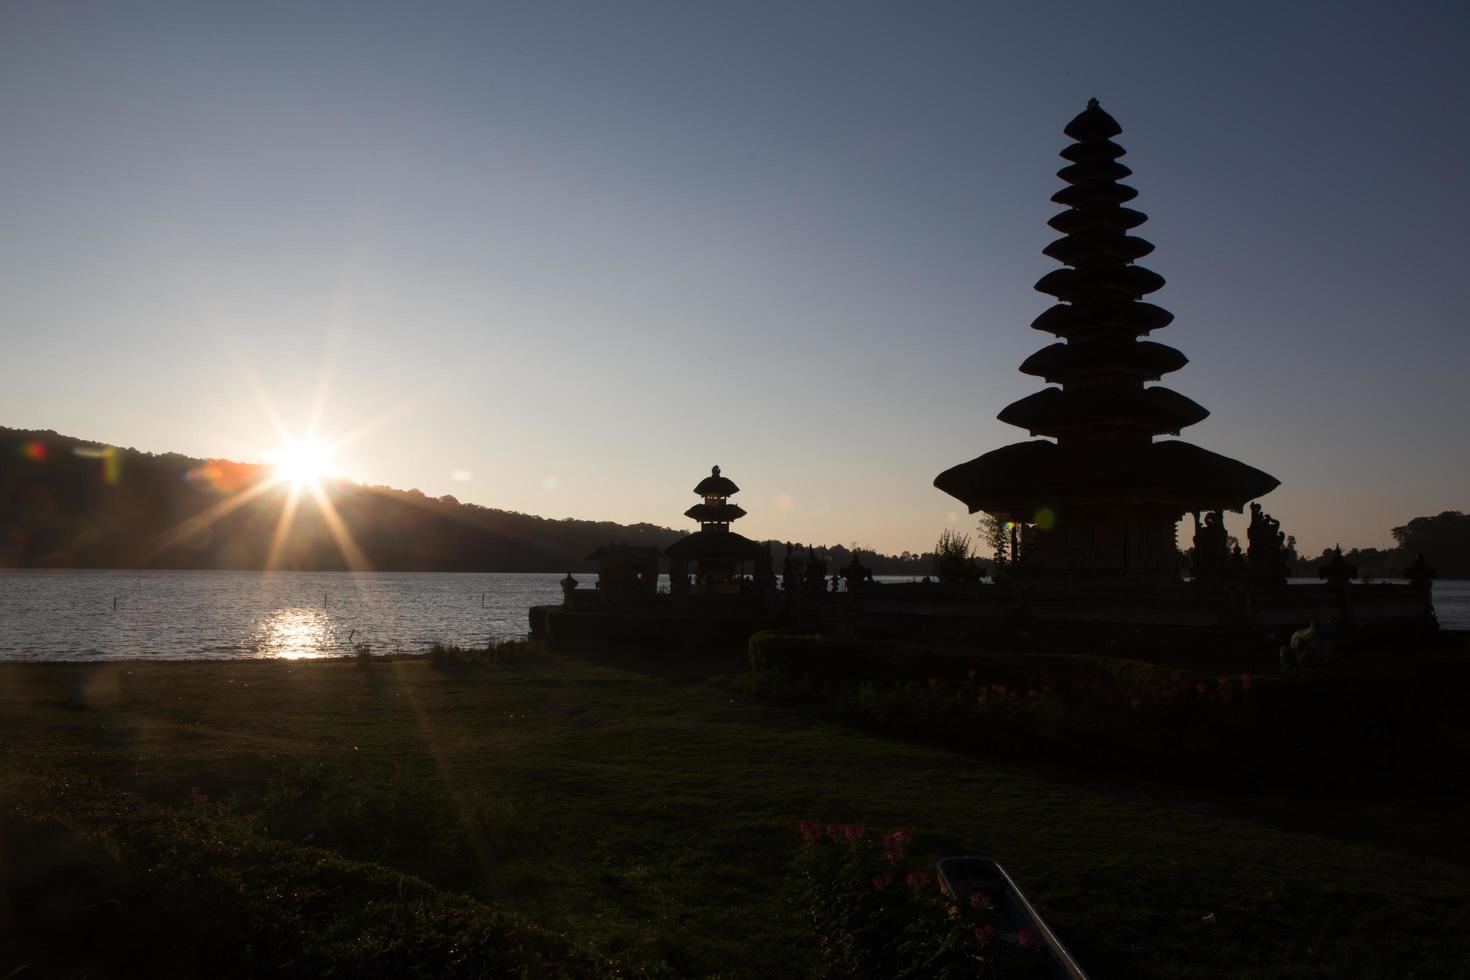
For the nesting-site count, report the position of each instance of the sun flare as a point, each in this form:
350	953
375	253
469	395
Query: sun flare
303	462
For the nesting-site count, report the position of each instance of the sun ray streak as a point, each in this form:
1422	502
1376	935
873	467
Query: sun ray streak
283	527
351	553
370	426
257	391
323	391
199	522
433	742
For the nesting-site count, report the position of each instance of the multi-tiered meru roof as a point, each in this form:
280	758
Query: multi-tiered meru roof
714	540
1105	417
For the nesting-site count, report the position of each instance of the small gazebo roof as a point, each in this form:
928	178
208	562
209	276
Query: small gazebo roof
715	485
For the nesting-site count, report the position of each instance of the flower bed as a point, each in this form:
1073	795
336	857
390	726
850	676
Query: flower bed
876	913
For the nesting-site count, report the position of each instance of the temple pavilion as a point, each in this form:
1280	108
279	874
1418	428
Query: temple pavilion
717	553
1100	495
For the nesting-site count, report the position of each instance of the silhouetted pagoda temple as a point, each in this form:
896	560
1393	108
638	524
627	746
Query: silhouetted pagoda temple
718	553
1100	497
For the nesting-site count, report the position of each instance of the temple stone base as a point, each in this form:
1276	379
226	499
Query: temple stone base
1378	607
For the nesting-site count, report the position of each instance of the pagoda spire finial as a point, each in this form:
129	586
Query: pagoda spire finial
714	470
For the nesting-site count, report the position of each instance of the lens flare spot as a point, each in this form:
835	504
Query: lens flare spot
110	456
550	483
222	476
35	449
1045	519
785	503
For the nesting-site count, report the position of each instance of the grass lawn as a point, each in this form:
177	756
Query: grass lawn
653	818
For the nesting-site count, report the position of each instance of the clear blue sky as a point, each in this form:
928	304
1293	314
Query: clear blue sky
567	256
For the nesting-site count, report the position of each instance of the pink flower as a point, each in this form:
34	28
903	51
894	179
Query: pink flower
998	688
1027	937
1199	686
1134	702
895	844
917	880
1245	682
882	881
972	675
1223	681
981	900
982	697
852	832
198	795
1033	693
984	935
834	831
810	830
1175	675
933	682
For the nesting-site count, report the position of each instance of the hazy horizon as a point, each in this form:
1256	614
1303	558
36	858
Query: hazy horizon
561	259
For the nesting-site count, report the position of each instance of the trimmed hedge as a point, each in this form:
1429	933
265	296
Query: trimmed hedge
1395	721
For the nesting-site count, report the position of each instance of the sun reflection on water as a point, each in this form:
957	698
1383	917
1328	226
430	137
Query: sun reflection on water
294	634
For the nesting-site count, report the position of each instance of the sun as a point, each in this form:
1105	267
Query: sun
304	463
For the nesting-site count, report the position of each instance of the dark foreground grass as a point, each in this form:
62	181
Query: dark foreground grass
539	815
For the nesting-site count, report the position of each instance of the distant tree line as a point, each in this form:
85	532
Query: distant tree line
1443	540
70	503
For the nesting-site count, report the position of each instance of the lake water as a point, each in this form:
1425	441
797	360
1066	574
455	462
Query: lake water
106	615
70	615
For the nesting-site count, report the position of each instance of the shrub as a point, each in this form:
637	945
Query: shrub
452	657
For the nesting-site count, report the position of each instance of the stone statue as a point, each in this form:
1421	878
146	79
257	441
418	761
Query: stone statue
1316	646
1211	552
1420	575
856	574
816	572
790	571
1338	572
1266	549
